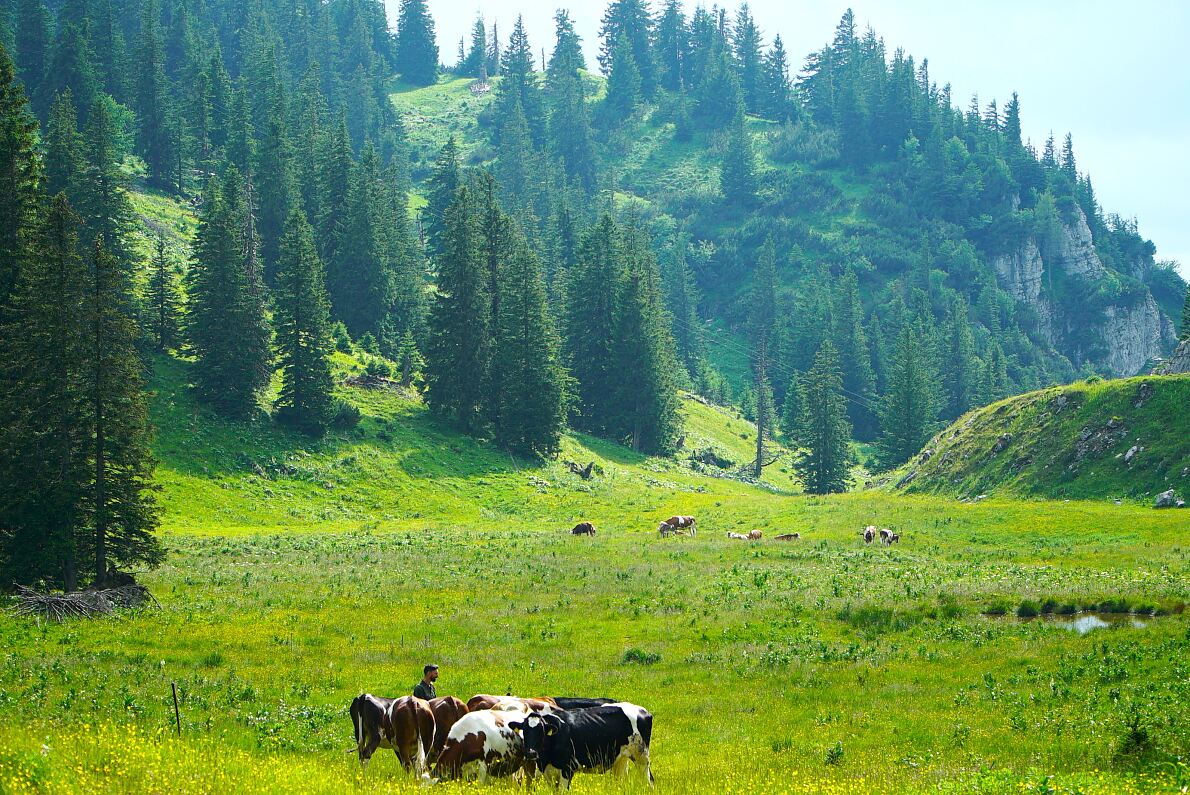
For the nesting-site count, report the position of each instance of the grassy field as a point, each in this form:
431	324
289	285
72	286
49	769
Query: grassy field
301	573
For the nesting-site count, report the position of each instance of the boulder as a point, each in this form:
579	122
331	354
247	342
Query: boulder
1166	499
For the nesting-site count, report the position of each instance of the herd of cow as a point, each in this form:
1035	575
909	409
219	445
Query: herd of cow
505	735
685	526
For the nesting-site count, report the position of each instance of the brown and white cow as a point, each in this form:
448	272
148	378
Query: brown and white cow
737	536
583	529
869	533
510	703
404	724
755	535
682	523
447	711
483	744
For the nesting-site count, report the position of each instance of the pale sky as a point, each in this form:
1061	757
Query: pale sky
1115	75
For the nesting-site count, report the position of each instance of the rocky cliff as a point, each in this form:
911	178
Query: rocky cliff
1087	317
1178	362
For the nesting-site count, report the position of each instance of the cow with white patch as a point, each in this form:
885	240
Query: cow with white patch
510	703
482	744
594	740
686	523
447	711
405	725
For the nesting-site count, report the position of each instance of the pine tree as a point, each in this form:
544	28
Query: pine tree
644	385
776	91
475	63
629	20
119	499
532	410
20	177
567	58
72	66
593	294
514	166
847	317
417	49
441	187
825	462
958	366
519	84
1185	335
65	159
623	84
1012	122
739	165
103	199
227	329
1069	167
909	407
409	360
273	181
333	180
43	428
746	40
164	308
461	335
302	321
359	277
33	42
152	97
792	411
495	54
762	318
672	46
682	297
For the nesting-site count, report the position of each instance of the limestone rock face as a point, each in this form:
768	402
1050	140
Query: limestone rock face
1178	361
1132	332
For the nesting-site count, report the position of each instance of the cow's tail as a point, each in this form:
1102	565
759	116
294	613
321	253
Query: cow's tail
644	725
357	722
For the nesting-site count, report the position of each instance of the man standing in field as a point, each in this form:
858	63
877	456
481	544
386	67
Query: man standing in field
425	688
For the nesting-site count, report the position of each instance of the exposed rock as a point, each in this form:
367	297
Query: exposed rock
1178	362
1166	499
1074	250
1003	441
1134	335
1132	451
1143	393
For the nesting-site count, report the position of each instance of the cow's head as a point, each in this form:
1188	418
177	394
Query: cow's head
540	733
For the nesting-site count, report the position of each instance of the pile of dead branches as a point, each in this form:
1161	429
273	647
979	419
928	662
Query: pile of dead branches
80	604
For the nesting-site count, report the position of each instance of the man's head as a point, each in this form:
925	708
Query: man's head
539	734
430	672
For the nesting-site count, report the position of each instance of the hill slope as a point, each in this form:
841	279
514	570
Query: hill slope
1124	438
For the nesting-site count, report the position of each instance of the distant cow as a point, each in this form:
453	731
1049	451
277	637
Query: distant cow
481	742
510	703
569	703
755	535
893	538
737	536
404	724
447	711
885	533
595	740
682	523
788	537
583	529
869	533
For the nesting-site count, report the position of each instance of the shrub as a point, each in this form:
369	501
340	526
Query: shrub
375	366
340	338
1027	609
344	415
834	754
640	657
996	608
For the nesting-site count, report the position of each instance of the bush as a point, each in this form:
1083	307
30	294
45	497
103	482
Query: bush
640	657
997	608
803	143
1027	609
344	415
834	754
340	338
377	367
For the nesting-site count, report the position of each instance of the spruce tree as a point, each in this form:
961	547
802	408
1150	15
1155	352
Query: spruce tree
824	433
65	153
302	322
762	317
460	339
739	165
847	317
20	177
776	92
631	21
333	179
682	296
475	62
644	383
747	42
152	97
672	45
623	84
43	426
592	307
273	183
417	48
792	411
359	276
519	84
567	58
910	405
103	199
440	192
226	328
164	310
32	42
532	410
72	66
959	378
119	499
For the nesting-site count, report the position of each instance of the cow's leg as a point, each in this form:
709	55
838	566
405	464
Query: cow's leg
368	748
482	767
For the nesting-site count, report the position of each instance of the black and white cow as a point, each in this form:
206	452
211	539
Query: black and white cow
572	702
595	740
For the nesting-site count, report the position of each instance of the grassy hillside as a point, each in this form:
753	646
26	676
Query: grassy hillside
1071	441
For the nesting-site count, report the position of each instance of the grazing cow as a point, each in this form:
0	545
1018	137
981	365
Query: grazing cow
568	703
682	522
893	538
510	703
737	536
788	537
404	724
594	740
884	535
483	743
869	533
583	529
666	529
755	535
447	711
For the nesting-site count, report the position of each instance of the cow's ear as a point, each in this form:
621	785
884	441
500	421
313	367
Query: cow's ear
551	731
516	726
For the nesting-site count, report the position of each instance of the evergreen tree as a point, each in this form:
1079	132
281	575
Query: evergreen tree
645	387
333	179
746	40
672	46
273	183
567	58
152	93
1069	168
359	278
910	405
72	66
1012	122
847	317
739	165
111	51
532	410
417	48
164	305
682	297
495	55
593	296
475	63
441	187
227	329
102	197
65	158
119	498
792	411
629	20
20	177
514	166
959	377
43	428
461	335
825	462
302	321
409	360
762	317
519	85
33	42
623	84
776	92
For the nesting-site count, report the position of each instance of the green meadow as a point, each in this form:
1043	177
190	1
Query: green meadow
301	573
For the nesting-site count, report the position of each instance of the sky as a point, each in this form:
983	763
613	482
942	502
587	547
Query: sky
1115	75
